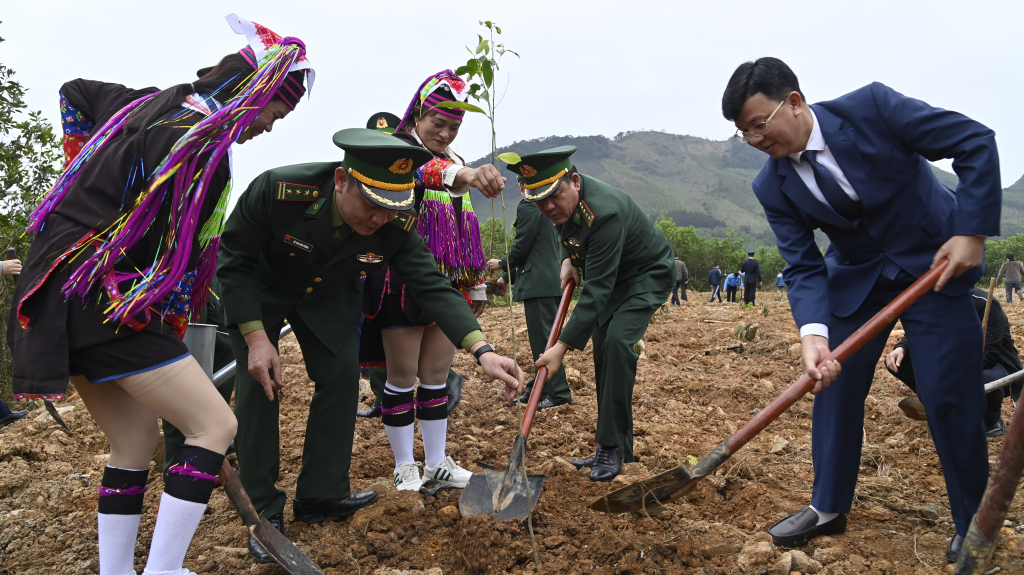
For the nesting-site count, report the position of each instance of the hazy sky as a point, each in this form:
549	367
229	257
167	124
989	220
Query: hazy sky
587	68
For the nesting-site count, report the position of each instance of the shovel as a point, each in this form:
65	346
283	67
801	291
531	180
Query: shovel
649	494
506	495
277	545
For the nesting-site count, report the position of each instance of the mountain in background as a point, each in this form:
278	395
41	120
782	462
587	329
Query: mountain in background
698	182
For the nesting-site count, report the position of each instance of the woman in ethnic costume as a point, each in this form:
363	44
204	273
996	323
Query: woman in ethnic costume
125	250
408	339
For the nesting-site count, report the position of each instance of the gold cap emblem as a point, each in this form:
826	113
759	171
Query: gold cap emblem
381	123
527	171
403	166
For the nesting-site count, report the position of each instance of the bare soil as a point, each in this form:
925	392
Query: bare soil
696	385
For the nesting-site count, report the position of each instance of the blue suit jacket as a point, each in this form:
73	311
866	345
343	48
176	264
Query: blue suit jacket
883	141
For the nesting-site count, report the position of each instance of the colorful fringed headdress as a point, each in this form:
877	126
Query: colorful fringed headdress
441	87
183	181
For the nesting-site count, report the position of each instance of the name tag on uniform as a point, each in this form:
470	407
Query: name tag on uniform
298	243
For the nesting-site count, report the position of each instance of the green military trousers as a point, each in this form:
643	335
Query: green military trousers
540	314
327	448
615	368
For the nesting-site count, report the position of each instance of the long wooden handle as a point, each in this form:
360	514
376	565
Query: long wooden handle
236	493
866	333
988	308
542	373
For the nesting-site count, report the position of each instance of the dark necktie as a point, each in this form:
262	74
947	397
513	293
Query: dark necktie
843	204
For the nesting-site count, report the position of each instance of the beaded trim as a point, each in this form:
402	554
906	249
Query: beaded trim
188	471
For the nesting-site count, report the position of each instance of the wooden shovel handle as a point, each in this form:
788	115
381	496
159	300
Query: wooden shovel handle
866	333
542	373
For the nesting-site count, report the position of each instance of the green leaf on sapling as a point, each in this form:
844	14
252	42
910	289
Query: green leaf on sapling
461	106
510	158
488	73
497	29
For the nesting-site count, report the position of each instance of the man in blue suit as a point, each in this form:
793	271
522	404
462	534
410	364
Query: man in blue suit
857	168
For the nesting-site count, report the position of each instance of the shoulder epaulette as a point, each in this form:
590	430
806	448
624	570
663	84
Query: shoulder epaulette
315	206
405	221
287	192
587	213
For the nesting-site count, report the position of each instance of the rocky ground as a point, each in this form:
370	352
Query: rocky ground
696	385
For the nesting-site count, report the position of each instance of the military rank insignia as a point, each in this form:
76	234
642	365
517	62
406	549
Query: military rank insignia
405	221
574	242
296	192
586	213
305	246
370	258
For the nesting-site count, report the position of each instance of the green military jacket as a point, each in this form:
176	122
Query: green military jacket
619	252
534	262
278	255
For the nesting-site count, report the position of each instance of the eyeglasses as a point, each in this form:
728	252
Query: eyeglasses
757	130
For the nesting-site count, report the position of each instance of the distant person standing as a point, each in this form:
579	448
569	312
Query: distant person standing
732	283
752	273
715	279
780	284
682	278
1012	271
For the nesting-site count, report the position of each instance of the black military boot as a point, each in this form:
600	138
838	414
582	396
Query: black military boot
256	550
607	463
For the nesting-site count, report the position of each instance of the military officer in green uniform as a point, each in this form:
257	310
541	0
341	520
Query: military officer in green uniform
533	266
628	270
387	122
296	248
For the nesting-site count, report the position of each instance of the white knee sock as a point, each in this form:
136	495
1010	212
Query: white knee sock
435	435
824	517
401	438
117	534
176	523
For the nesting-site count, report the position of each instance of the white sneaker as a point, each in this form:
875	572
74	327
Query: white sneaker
449	471
182	572
407	476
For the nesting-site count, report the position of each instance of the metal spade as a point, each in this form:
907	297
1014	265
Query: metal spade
505	494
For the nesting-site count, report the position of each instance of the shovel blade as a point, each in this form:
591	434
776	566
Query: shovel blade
647	494
481	495
282	550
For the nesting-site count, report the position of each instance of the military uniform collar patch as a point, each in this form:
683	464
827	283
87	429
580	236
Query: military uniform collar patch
405	221
315	207
583	213
287	192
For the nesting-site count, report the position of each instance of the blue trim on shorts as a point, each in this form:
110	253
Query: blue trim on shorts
168	362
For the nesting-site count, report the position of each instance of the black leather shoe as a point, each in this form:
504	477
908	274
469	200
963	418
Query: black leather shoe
956	544
607	463
372	412
256	550
455	392
524	398
314	510
581	463
14	416
996	429
546	403
802	526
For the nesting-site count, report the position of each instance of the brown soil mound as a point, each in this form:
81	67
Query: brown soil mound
695	386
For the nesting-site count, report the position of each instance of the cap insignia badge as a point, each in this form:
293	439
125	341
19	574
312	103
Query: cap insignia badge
381	123
574	242
370	258
403	166
527	171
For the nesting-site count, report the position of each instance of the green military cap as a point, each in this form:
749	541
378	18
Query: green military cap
384	165
543	171
383	122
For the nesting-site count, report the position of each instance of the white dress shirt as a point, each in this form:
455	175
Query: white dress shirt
817	143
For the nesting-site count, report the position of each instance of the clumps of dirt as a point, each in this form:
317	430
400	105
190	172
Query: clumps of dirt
694	387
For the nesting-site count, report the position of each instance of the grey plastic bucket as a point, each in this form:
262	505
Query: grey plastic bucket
200	339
